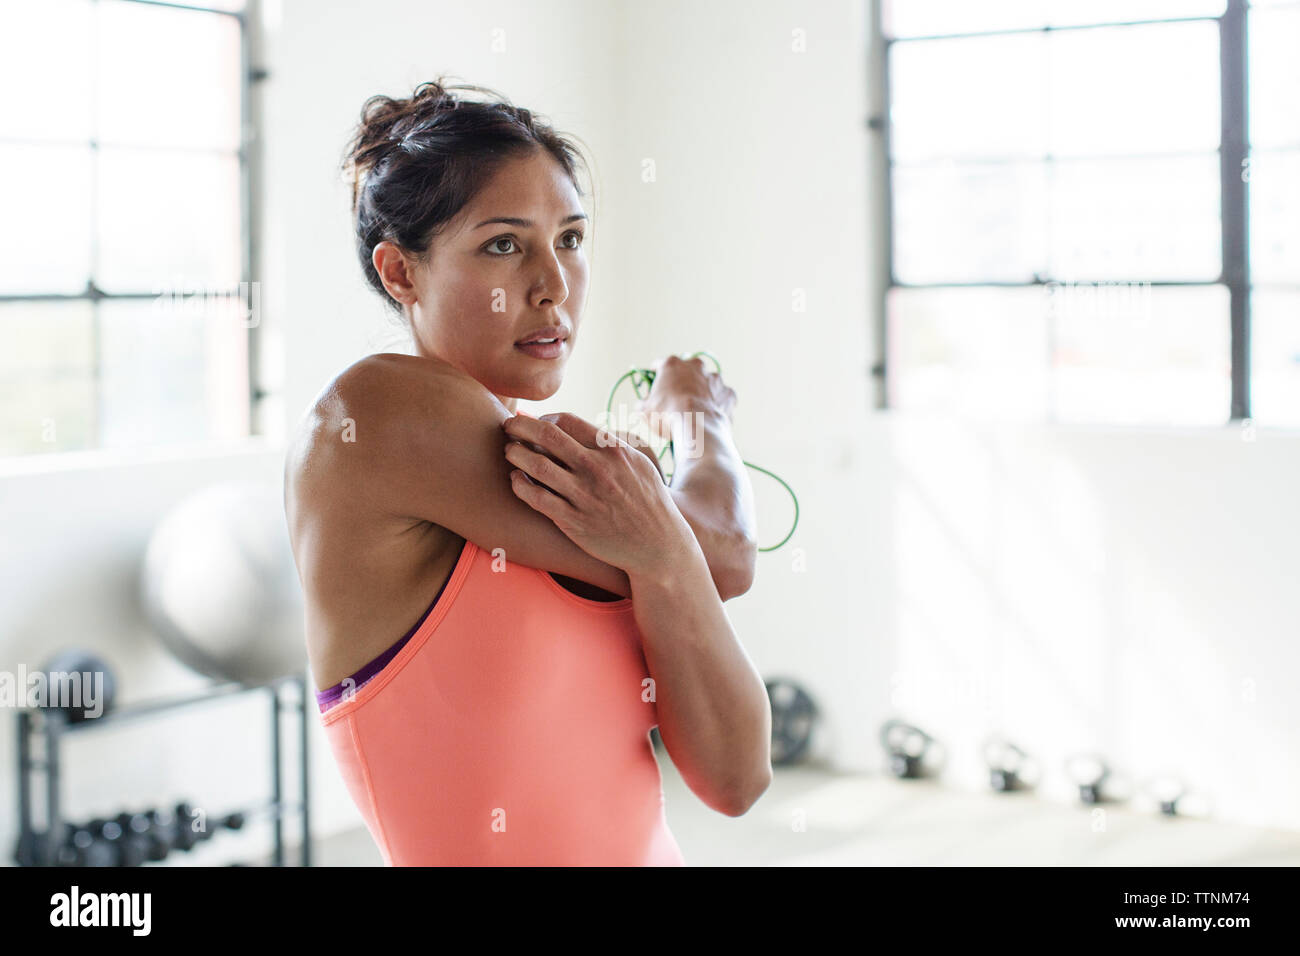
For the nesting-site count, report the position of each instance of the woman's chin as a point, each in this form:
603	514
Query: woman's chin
540	387
536	393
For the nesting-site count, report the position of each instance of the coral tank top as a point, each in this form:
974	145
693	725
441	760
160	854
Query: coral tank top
511	729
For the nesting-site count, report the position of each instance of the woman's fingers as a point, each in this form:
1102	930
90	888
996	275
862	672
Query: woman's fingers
540	499
556	478
580	480
596	488
551	437
582	431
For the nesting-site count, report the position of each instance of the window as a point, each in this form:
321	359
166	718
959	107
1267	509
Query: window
125	302
1094	210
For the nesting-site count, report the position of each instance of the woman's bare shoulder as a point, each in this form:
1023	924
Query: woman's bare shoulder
399	441
376	427
324	446
339	464
383	388
400	388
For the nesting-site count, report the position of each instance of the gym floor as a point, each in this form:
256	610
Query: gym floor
866	820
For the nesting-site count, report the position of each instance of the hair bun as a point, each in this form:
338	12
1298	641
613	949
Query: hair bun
432	93
385	122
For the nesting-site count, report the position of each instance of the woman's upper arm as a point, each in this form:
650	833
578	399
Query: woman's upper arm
431	447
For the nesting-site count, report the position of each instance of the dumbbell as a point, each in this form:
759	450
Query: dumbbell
159	836
132	834
134	837
184	836
122	850
231	821
85	846
127	840
181	826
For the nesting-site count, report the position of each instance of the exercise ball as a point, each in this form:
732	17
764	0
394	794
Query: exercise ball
220	587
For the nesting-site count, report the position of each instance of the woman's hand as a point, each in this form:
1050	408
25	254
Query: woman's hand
636	442
681	387
602	492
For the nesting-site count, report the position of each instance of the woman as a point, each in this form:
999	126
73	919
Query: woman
577	599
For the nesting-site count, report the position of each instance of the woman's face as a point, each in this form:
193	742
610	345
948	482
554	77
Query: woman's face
489	284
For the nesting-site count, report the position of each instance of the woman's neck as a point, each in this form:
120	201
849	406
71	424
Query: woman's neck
509	402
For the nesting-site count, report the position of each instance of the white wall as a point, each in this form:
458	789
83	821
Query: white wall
74	532
1124	591
1130	591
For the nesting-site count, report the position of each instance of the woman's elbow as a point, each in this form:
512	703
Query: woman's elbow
740	570
743	802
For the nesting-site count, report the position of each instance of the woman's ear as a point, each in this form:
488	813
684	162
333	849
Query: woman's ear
396	271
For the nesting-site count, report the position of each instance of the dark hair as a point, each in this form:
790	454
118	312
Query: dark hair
415	163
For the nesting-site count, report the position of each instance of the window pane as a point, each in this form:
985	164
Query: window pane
37	417
1274	77
1275	358
232	5
225	364
1155	219
174	370
1133	354
46	339
969	223
45	225
46	47
963	99
152	374
1118	11
930	17
1275	217
1134	90
168	219
47	385
168	77
978	353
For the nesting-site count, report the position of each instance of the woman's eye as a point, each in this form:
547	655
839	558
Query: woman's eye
495	248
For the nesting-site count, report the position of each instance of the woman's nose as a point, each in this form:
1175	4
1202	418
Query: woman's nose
551	288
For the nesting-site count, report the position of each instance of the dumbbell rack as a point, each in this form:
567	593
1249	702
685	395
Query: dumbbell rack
52	726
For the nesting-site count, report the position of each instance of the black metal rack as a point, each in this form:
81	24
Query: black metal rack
51	726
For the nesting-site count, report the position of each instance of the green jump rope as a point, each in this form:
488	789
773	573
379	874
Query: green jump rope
646	377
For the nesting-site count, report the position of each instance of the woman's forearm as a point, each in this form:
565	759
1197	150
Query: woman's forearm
712	489
714	714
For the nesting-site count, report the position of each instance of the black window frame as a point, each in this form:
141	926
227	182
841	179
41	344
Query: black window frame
1234	186
248	154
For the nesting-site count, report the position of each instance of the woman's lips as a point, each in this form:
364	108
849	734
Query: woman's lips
549	350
